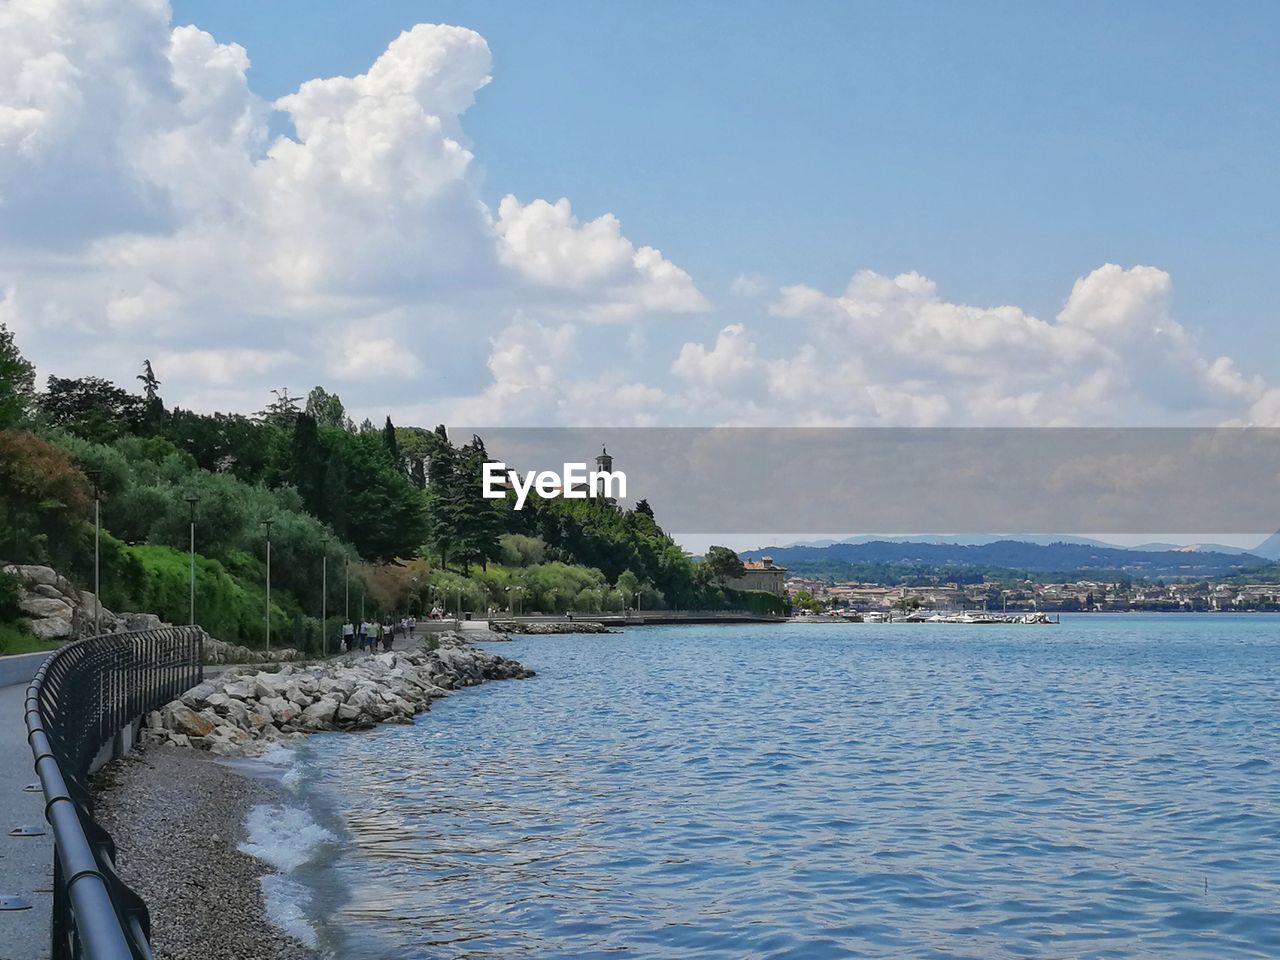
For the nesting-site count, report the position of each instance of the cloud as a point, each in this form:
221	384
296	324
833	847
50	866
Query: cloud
146	211
144	202
547	244
891	350
221	368
749	285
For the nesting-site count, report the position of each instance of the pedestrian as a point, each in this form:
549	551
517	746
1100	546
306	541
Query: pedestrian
348	636
389	637
413	625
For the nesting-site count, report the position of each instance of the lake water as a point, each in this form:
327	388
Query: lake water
1104	787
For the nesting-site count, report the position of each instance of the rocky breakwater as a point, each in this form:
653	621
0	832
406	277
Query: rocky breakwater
549	626
242	712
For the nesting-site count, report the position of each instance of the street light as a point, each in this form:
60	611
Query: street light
267	526
192	500
324	596
94	475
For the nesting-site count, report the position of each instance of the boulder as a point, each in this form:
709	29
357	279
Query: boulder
182	719
51	628
321	712
242	689
282	710
136	622
46	608
198	696
33	575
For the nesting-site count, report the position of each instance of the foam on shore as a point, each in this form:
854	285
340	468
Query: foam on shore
286	837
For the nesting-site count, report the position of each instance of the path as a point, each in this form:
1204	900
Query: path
26	863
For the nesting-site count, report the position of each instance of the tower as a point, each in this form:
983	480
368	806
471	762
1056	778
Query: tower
604	464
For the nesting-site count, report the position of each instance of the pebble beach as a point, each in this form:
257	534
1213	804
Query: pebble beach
178	817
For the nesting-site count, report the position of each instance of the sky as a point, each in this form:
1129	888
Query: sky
689	214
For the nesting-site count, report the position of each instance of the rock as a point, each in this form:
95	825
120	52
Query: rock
321	712
182	719
241	713
53	628
282	710
198	695
33	574
242	690
294	692
136	622
46	608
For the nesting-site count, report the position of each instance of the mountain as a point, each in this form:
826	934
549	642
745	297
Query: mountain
1269	548
926	558
1196	548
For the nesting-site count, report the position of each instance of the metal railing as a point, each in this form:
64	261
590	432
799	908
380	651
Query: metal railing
82	709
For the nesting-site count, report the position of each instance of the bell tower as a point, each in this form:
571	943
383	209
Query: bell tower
604	464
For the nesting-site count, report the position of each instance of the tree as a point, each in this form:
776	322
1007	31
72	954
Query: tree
43	501
642	507
326	410
91	407
723	564
306	466
281	411
150	385
17	380
389	441
153	406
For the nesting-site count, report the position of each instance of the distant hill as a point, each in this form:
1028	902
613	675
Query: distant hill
942	559
1269	548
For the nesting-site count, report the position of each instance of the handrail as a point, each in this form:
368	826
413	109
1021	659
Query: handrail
82	702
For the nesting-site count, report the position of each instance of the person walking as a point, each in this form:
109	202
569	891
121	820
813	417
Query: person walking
348	636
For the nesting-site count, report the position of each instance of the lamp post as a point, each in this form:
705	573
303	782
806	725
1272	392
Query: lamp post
192	500
267	526
97	552
324	596
346	613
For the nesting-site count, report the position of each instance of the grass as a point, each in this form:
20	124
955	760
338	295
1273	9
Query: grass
14	640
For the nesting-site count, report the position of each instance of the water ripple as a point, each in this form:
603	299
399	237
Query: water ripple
1104	788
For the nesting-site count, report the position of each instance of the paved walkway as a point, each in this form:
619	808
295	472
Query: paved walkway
26	863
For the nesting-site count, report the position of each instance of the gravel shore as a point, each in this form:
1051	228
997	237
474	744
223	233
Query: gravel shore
177	818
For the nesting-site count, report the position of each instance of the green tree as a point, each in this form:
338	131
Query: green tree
91	407
306	465
723	564
17	381
326	410
389	441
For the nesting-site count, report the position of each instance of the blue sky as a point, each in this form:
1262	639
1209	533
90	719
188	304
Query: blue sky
1003	149
898	214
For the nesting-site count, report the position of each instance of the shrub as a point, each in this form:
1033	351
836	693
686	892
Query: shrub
44	500
9	588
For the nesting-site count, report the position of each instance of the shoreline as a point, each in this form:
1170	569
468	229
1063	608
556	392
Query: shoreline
178	818
183	817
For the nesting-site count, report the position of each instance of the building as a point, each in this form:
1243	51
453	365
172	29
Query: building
760	574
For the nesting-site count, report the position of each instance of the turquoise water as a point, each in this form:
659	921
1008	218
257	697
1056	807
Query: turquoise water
1106	787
